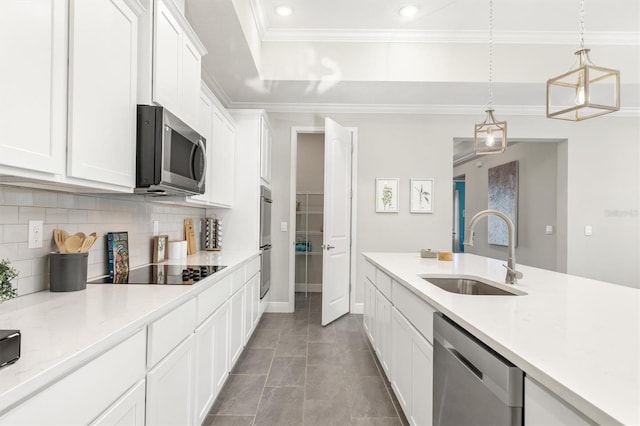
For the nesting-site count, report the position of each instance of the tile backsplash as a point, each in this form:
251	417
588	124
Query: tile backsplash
85	213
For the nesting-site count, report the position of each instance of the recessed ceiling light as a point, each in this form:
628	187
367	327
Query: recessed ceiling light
408	11
284	10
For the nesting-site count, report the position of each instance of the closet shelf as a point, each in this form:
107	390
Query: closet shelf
310	253
302	232
308	212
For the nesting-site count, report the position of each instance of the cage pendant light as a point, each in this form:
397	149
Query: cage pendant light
490	136
586	90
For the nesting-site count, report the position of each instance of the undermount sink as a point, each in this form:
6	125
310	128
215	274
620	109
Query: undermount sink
473	286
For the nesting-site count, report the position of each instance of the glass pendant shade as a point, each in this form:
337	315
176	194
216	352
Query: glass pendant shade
490	136
585	91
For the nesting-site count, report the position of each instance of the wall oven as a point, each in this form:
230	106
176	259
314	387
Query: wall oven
265	240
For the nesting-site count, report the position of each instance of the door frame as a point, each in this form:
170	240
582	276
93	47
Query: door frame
295	131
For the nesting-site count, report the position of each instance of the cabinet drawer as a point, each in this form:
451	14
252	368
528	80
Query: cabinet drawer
167	332
237	279
84	394
369	271
383	282
417	311
213	297
252	267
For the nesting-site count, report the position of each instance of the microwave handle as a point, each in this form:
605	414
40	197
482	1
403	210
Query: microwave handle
204	155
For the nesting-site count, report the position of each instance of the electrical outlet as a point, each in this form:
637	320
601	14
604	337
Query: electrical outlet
549	230
283	226
588	230
35	234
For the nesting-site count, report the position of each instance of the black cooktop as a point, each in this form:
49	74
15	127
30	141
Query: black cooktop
164	275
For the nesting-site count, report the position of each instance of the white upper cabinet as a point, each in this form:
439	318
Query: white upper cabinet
103	42
216	125
174	71
33	84
265	150
167	51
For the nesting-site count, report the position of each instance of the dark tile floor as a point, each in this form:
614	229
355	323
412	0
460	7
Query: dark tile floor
296	372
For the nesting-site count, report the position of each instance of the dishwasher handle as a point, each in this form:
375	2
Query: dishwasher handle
495	372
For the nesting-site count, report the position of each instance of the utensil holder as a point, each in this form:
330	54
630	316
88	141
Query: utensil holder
67	271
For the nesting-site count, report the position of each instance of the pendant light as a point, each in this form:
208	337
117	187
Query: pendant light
586	90
490	136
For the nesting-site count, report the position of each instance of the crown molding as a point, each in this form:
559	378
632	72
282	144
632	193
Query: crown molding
515	110
216	88
260	17
467	37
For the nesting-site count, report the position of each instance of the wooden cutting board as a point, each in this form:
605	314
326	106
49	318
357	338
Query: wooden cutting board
190	236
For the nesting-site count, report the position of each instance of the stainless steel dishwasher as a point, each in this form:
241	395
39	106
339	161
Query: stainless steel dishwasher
472	384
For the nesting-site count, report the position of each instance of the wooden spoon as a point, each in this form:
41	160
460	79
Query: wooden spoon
87	243
81	235
58	239
73	244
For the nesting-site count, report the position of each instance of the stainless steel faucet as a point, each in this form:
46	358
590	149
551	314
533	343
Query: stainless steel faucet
512	273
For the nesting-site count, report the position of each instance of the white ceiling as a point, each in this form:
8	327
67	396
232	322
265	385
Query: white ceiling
360	55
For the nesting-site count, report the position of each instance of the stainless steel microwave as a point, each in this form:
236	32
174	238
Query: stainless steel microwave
171	157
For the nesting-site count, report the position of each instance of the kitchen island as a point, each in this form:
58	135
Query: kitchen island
62	332
578	337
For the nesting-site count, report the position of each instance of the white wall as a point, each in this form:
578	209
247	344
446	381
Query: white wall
401	146
602	175
537	202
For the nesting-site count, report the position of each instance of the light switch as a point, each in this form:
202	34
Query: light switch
549	230
283	226
588	230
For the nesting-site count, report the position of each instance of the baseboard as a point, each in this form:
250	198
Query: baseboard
357	308
310	288
278	307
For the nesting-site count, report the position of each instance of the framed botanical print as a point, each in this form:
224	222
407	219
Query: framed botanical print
387	195
421	195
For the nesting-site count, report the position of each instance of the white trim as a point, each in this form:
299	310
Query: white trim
295	130
354	215
621	38
292	206
328	108
278	307
185	26
216	89
357	308
259	17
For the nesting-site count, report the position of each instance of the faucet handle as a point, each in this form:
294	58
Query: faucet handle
517	274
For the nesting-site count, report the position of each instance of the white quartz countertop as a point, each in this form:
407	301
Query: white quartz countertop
578	337
61	331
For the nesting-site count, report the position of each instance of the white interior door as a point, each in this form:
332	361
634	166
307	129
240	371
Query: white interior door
337	222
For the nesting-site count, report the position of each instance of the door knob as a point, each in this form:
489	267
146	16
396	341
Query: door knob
328	247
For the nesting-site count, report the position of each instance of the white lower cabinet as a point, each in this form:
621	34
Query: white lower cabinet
542	408
400	377
370	311
411	370
87	392
127	411
236	329
251	308
170	387
383	330
421	381
211	360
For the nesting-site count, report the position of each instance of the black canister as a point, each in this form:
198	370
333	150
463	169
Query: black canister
68	271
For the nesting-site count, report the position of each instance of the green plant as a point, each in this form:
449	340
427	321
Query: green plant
7	273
